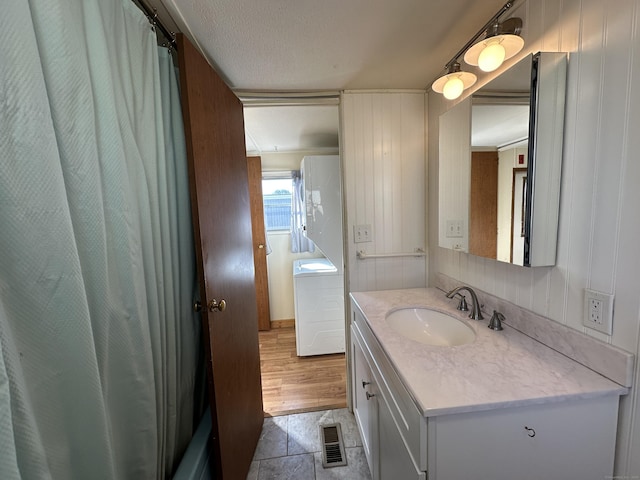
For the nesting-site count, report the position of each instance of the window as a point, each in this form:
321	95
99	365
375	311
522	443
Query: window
276	196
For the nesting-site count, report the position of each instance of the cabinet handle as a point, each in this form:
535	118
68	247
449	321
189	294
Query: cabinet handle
364	384
370	396
530	431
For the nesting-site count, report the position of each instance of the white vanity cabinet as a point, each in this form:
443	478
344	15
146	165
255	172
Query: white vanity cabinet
567	439
395	461
364	403
564	440
389	422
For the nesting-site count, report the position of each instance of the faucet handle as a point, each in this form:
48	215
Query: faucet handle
462	306
496	321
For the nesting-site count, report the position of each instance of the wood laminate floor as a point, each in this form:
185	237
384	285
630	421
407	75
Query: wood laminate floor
292	384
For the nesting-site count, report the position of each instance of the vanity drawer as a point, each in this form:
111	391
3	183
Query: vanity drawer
408	418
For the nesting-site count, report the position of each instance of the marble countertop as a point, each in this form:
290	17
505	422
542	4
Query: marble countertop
498	369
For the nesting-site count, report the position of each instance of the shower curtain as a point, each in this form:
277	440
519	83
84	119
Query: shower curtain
98	342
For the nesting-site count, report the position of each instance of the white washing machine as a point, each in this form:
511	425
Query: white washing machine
319	305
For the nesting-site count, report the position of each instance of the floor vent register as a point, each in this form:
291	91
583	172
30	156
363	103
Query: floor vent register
332	446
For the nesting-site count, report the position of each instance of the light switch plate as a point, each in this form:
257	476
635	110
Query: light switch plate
454	229
361	233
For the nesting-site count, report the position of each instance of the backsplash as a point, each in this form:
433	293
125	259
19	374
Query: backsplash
607	360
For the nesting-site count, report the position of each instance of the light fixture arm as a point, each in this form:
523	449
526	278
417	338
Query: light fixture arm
453	67
511	26
488	25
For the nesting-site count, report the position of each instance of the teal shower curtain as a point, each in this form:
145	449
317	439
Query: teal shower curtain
98	341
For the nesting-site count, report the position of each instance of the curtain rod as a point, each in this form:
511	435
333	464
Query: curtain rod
152	16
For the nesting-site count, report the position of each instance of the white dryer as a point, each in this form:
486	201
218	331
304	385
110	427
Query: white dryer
319	305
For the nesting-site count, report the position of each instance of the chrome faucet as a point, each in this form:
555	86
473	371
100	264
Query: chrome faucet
476	314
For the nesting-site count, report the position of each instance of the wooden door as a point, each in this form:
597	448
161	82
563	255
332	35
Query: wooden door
254	166
214	129
483	205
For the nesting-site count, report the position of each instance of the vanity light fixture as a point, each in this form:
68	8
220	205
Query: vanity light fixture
501	41
454	82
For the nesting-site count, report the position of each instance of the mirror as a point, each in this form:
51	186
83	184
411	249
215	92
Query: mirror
500	165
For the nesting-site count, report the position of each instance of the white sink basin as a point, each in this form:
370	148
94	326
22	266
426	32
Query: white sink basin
430	327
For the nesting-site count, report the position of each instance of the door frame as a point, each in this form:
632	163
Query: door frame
254	169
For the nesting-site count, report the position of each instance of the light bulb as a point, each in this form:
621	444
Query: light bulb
491	57
453	88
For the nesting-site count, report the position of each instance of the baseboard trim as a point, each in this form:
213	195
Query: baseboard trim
288	323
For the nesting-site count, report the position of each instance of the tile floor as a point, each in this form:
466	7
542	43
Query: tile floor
289	448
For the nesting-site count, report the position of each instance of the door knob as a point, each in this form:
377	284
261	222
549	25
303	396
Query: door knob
370	395
215	306
197	306
261	246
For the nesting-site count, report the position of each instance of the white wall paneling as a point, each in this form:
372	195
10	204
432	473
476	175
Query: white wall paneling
383	151
455	133
599	220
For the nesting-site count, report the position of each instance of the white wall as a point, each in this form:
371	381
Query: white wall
288	160
280	268
599	219
383	151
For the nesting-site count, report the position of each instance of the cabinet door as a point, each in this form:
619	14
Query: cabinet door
566	440
395	462
364	408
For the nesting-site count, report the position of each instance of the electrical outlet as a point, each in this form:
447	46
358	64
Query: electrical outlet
598	311
361	233
595	311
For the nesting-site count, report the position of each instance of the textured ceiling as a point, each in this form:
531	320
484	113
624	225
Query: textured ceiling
330	44
310	45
